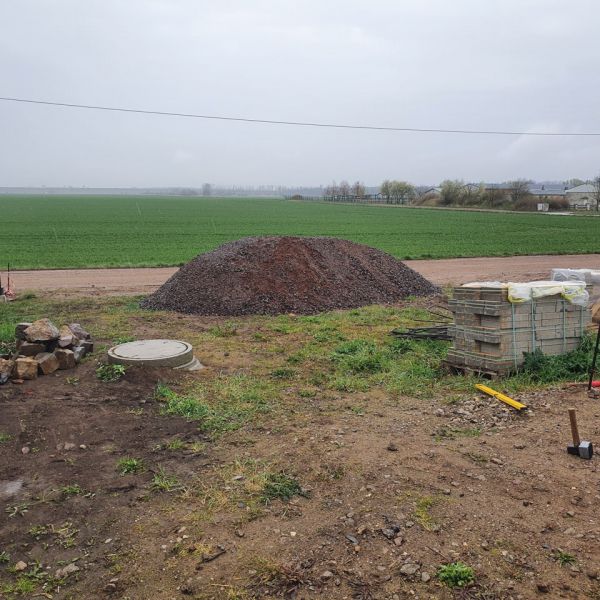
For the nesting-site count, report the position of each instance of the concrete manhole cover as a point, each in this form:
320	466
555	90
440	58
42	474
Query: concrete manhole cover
155	353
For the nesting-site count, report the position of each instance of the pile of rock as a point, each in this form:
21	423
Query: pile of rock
42	348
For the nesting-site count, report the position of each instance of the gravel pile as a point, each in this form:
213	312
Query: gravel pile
275	275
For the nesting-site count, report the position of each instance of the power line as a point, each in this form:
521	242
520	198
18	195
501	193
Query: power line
298	123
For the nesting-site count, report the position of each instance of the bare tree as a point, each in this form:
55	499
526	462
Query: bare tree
207	189
344	188
359	190
519	190
386	190
596	192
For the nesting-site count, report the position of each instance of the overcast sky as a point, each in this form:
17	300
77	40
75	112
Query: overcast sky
526	65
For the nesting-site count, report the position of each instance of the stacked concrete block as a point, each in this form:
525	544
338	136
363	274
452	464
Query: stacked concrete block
491	334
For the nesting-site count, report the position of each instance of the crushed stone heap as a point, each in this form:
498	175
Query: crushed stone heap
276	275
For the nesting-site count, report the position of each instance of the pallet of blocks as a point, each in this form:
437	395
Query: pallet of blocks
491	333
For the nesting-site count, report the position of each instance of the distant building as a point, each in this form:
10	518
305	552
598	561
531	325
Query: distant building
582	196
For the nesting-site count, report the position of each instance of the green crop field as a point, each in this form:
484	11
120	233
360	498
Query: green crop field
61	232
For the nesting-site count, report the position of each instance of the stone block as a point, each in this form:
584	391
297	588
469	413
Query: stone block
65	357
31	348
25	368
66	337
88	345
79	352
42	330
20	330
47	363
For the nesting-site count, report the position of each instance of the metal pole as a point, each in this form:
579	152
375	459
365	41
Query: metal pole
593	369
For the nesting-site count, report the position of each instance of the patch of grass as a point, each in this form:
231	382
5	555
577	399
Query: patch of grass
127	466
227	329
450	433
17	510
456	574
175	444
422	513
123	340
571	366
5	437
4	557
72	490
110	373
163	482
282	373
221	405
280	486
564	558
360	356
273	578
185	406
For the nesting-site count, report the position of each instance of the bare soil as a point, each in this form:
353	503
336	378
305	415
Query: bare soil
472	481
100	282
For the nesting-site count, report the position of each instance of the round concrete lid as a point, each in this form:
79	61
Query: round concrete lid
152	353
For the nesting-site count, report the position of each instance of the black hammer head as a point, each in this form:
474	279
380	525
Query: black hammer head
572	449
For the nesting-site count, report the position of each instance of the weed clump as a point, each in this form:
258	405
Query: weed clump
574	365
280	486
456	574
110	373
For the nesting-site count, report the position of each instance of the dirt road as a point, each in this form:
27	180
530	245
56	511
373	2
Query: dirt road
443	271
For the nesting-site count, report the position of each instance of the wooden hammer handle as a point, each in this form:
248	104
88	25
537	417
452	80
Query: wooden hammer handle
574	430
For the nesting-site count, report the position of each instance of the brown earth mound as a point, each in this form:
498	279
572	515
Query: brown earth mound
275	275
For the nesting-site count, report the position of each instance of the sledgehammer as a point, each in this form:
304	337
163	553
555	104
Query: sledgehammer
580	448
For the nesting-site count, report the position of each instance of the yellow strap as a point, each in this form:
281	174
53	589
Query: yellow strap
502	397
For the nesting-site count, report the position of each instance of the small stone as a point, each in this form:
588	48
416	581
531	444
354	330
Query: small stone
79	331
66	358
519	446
47	362
69	446
351	538
439	412
239	533
25	368
398	541
25	450
390	534
66	571
326	575
543	588
496	461
42	330
392	447
569	531
20	566
88	345
425	577
527	502
409	569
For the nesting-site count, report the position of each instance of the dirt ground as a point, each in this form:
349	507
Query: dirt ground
391	487
441	272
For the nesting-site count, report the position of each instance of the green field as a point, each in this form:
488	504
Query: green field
61	232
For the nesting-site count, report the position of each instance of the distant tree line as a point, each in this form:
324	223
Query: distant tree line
345	190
